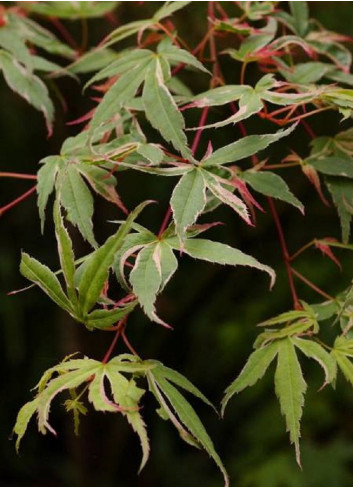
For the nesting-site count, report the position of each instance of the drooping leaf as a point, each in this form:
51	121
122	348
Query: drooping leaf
28	86
249	104
23	418
46	182
146	279
168	263
290	389
71	374
191	421
97	395
127	394
66	253
132	244
188	200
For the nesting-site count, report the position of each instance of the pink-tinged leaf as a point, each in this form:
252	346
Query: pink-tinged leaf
102	182
313	177
209	151
98	396
214	184
249	104
285	41
197	229
324	247
241	186
83	118
124	258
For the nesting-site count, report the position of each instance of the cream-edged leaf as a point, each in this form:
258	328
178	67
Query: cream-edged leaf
245	147
42	276
188	200
319	354
204	249
162	111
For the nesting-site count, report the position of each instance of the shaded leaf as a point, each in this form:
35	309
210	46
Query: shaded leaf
192	422
254	369
290	389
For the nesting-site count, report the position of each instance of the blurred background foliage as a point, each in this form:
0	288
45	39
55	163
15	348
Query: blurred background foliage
214	311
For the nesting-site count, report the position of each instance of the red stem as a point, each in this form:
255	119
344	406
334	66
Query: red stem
198	134
312	286
165	221
128	344
286	256
19	199
65	33
120	326
23	176
308	129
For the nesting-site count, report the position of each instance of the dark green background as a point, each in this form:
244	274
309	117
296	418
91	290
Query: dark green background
213	309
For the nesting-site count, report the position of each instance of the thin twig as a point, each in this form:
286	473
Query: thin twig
19	199
312	286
